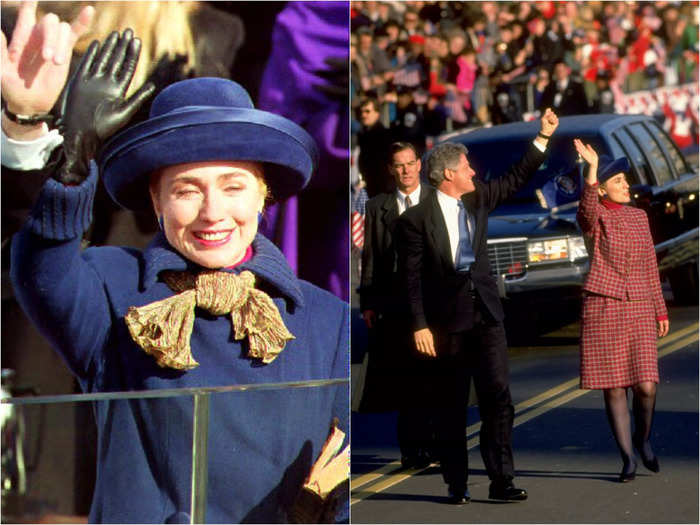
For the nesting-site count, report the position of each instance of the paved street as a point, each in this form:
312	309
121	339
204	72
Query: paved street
565	455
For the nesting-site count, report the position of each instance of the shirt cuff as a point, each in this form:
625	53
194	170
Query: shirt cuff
662	317
28	155
539	146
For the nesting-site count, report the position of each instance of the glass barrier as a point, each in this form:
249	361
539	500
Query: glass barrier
29	422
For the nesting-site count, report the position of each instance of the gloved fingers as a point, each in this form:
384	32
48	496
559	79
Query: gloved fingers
86	66
26	20
63	48
81	24
116	61
130	62
100	66
49	32
113	113
135	101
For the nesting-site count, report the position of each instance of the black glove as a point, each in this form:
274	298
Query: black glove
92	107
309	507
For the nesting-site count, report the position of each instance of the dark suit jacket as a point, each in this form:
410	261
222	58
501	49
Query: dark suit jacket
380	287
573	101
438	295
374	144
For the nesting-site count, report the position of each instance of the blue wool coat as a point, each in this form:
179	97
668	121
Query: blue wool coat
261	444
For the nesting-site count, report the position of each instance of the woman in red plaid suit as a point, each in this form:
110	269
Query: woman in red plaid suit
623	308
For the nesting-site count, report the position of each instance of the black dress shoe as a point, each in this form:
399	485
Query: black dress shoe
649	460
629	471
506	492
458	496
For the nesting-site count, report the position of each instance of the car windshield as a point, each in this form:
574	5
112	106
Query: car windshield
492	159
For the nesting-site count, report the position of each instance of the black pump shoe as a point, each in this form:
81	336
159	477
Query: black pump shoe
650	462
629	471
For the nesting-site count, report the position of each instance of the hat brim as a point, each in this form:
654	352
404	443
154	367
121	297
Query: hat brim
202	134
620	165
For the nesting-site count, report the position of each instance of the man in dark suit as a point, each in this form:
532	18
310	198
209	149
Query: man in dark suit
373	140
392	365
456	311
564	93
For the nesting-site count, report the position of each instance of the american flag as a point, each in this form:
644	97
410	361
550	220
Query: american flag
358	218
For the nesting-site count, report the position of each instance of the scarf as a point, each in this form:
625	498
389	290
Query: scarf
163	328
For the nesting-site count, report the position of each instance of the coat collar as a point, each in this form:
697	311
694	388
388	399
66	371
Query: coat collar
438	231
267	263
611	205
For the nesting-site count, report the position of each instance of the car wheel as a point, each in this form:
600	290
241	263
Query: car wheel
684	284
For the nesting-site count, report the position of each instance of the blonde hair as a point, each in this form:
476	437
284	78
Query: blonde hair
163	28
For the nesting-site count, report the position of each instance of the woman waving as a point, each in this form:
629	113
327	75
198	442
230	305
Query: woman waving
623	308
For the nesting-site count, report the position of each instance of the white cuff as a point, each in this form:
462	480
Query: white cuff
30	154
539	146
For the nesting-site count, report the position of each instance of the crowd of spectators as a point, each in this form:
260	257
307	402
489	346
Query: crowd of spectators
431	67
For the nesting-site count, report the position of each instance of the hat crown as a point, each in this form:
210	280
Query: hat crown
607	167
201	91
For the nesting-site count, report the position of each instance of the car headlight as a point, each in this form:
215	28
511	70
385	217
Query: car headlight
577	248
553	250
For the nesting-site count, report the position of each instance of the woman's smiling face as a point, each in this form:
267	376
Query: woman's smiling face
209	210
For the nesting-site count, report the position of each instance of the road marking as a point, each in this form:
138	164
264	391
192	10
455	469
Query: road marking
524	405
389	481
527	416
678	345
677	334
357	482
393	476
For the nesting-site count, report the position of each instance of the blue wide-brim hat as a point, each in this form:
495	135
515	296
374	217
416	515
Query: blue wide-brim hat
607	167
200	120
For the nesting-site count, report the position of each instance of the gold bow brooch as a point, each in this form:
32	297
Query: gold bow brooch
163	328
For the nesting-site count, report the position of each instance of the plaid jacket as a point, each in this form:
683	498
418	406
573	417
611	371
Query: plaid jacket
621	251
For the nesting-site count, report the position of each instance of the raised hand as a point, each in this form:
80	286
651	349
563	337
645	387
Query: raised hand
548	122
36	63
587	152
590	156
93	106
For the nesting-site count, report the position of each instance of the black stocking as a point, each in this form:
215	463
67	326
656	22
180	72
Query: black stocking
619	418
643	406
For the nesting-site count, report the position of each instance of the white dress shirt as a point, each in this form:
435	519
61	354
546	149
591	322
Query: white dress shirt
28	154
450	212
401	198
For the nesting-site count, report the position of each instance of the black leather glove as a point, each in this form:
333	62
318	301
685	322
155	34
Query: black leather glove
309	507
92	107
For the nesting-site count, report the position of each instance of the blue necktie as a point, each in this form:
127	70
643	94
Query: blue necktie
465	254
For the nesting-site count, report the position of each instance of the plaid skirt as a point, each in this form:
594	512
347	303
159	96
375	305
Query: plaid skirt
618	343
